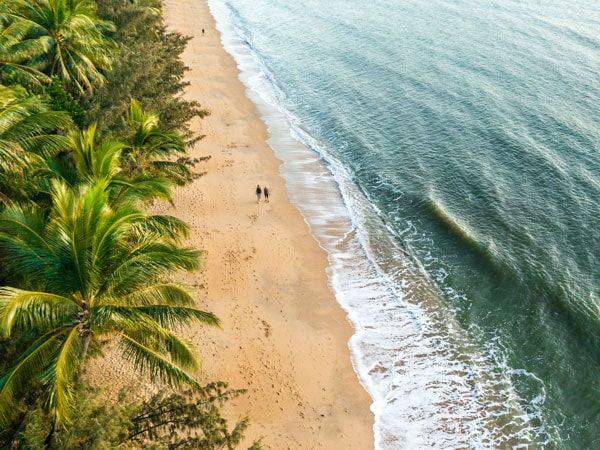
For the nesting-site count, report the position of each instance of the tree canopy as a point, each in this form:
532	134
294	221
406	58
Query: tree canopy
62	37
90	270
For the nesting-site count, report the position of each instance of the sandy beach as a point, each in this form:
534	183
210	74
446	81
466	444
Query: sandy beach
283	337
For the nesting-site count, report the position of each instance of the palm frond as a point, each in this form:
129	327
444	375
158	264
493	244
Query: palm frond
33	123
28	130
81	53
106	163
168	226
23	239
24	117
76	216
32	362
141	188
182	352
83	145
26	310
148	263
12	157
110	240
107	318
172	317
18	46
46	145
154	364
140	120
60	377
164	143
153	318
150	147
142	326
170	294
175	171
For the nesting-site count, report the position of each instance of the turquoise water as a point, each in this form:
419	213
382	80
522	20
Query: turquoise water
452	172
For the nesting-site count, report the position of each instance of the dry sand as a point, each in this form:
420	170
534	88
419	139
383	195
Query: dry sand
283	337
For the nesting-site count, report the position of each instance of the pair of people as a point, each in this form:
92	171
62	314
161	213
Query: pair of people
260	191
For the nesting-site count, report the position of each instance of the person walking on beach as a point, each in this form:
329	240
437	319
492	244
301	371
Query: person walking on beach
258	193
266	192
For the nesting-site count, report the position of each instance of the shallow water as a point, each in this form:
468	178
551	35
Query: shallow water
447	157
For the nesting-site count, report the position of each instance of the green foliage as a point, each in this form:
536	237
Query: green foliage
30	134
92	162
92	269
19	49
188	421
28	126
66	38
96	425
60	100
150	149
149	70
79	258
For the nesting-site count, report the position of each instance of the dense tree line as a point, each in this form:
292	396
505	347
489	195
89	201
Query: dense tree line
93	128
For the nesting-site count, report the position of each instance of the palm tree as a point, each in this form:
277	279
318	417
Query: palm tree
151	150
76	47
29	133
101	164
91	270
17	51
92	162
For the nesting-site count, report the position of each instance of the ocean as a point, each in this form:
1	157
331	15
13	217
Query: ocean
446	155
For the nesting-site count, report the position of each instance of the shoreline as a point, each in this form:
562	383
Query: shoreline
284	336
